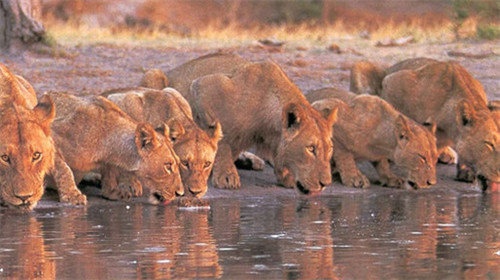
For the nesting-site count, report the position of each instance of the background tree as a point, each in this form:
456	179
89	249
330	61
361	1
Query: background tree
20	23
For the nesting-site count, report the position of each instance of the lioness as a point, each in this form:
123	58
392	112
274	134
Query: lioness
156	79
195	148
369	128
444	95
257	105
94	134
26	146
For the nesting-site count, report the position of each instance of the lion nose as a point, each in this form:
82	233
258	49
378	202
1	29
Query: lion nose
324	183
195	193
179	192
431	182
24	197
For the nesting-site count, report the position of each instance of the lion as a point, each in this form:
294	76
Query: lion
494	106
156	79
444	96
93	134
195	148
27	151
257	106
369	128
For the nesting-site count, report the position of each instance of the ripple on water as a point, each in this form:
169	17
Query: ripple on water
153	250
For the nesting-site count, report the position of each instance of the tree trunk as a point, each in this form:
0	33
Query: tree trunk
20	23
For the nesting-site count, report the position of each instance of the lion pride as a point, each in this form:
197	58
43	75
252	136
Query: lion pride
94	134
445	96
369	128
257	106
196	148
27	152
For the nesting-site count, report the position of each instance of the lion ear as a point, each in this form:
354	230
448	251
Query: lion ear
430	125
332	117
145	137
176	129
216	132
45	112
465	114
327	111
402	130
292	116
164	130
10	87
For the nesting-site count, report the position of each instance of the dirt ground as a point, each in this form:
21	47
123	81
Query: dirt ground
87	70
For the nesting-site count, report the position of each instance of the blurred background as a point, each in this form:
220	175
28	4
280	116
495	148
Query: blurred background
429	20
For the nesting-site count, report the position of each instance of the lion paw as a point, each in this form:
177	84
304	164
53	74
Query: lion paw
392	182
133	188
226	180
249	161
448	156
356	180
119	193
75	198
465	173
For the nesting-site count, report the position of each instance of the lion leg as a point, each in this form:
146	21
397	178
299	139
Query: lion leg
118	185
65	183
386	177
249	161
447	156
465	173
350	175
224	173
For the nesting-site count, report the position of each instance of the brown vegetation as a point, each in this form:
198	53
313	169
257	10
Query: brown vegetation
250	20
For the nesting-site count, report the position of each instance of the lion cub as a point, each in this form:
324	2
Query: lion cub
442	95
94	134
368	128
27	150
195	148
257	106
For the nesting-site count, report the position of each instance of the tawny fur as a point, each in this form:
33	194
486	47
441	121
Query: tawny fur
27	150
369	128
445	96
154	79
93	134
258	106
195	147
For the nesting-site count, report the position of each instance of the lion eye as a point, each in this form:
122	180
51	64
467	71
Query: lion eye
36	156
423	159
207	164
168	167
6	158
489	145
185	163
311	149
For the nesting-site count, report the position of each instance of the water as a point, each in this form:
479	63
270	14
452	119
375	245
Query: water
350	235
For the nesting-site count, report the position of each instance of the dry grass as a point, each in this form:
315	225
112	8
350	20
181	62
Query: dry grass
305	34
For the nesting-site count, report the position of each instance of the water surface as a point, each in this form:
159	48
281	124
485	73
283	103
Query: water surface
448	233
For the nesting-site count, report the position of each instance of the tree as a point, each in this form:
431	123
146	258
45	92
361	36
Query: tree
20	23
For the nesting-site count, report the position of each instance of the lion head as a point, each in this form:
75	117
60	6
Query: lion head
26	147
196	148
415	153
158	168
479	142
304	152
196	151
